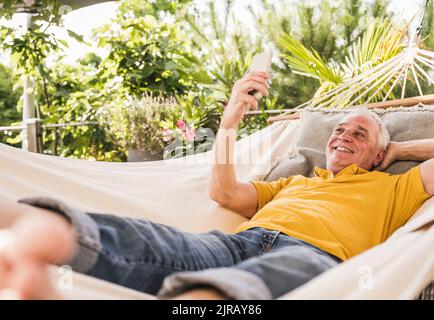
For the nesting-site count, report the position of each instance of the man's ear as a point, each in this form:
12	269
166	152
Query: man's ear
379	158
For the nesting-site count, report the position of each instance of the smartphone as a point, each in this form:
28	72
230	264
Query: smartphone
260	63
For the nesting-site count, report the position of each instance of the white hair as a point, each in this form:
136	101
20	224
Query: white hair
383	137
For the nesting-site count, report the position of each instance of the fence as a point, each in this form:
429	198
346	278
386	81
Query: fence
33	129
33	132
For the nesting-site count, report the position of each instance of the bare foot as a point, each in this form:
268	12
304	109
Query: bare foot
34	241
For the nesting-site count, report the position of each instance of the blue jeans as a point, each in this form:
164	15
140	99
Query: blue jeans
158	259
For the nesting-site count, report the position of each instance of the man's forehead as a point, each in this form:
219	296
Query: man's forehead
359	126
361	121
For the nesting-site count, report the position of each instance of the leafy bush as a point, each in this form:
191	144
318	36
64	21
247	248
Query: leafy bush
9	102
149	53
134	124
9	97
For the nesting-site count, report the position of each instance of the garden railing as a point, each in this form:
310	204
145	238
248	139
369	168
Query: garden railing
33	132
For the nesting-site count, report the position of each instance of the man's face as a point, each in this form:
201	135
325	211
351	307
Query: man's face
354	140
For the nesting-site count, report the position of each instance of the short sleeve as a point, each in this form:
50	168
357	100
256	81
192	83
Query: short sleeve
267	190
409	194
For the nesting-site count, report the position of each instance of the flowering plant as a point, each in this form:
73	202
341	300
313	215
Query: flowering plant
184	131
134	124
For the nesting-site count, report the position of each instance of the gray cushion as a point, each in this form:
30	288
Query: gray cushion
403	123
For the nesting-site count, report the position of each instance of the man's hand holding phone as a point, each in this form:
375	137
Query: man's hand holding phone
247	91
241	98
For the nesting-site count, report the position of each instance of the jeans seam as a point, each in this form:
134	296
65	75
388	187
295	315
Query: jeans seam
127	261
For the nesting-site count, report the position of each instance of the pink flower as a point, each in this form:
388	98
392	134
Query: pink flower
181	124
167	135
190	134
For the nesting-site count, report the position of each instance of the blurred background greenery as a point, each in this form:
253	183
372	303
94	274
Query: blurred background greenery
170	68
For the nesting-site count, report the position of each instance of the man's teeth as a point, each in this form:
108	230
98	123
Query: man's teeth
343	149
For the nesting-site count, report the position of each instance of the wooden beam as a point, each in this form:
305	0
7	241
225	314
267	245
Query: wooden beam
406	102
76	4
34	135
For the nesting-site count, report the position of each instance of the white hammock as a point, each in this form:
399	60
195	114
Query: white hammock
174	192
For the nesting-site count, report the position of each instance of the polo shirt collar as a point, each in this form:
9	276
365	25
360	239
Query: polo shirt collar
350	170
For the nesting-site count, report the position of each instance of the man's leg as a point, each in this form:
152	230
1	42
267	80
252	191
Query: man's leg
10	211
139	254
283	268
30	240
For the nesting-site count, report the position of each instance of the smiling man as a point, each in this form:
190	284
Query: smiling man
298	227
356	139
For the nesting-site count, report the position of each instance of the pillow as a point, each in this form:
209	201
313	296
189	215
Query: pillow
403	123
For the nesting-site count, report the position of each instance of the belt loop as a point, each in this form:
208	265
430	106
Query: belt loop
268	239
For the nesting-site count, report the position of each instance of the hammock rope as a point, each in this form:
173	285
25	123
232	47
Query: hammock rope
412	64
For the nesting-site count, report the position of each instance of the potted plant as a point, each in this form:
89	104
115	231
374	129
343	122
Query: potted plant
134	125
186	130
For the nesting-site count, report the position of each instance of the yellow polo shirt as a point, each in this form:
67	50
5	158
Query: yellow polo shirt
343	214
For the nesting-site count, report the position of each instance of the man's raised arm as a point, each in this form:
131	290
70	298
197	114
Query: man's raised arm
416	150
240	197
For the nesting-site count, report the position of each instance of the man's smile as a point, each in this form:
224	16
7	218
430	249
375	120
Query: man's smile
342	149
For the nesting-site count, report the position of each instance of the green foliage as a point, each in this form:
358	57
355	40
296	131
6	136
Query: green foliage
227	55
379	43
134	124
42	10
194	53
148	53
91	59
226	73
427	31
427	35
323	26
29	50
76	95
63	93
308	62
9	97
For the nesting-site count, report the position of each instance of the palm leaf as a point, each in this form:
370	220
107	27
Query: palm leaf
306	62
382	41
370	71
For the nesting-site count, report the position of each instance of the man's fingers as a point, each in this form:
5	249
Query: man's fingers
254	77
382	166
251	102
253	85
264	75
